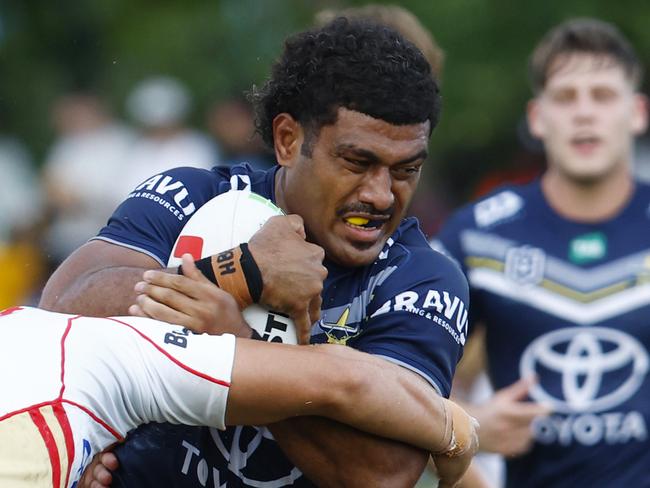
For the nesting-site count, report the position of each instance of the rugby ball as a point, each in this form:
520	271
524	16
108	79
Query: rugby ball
223	223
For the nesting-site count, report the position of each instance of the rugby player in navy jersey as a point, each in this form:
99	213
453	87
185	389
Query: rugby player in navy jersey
558	272
348	109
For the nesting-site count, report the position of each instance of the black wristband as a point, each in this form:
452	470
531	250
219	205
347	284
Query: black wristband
204	265
251	273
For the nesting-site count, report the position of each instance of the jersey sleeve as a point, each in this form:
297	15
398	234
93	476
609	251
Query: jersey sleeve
163	372
153	214
418	317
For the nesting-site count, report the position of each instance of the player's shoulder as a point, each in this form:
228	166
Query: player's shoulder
637	212
191	187
409	252
643	192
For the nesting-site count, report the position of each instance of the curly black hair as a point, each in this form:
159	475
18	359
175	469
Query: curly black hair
356	64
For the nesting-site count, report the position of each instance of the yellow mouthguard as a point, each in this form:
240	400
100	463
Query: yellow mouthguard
357	220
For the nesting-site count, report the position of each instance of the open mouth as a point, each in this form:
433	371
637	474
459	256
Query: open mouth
585	142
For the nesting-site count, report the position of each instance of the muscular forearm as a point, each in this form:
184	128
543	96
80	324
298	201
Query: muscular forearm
385	391
100	293
335	455
97	280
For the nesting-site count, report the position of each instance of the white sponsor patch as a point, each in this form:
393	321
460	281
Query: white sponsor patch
446	310
160	188
499	207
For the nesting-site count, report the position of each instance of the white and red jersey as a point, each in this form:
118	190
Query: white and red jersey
71	386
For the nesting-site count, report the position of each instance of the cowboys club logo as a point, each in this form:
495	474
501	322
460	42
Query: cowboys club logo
583	358
252	456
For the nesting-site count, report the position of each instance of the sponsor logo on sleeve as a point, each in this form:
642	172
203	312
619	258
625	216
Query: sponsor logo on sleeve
168	193
442	308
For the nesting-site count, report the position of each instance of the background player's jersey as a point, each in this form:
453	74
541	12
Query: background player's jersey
71	386
570	303
409	307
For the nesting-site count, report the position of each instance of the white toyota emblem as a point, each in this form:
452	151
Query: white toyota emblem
582	357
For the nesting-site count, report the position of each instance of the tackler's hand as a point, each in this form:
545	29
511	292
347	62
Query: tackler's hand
190	300
98	474
292	271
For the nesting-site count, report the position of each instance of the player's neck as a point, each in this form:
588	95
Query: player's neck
280	183
587	202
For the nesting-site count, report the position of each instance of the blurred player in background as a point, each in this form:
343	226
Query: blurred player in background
402	21
348	110
22	268
160	106
232	124
82	171
558	271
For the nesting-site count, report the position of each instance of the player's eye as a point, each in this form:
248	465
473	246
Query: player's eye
603	94
563	96
406	171
356	164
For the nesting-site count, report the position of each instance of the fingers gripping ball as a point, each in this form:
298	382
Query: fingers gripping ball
223	224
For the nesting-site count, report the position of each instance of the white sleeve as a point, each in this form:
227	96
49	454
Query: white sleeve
163	373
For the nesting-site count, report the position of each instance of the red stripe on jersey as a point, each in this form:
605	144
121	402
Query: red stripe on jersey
61	416
50	444
172	358
63	338
25	409
9	310
113	432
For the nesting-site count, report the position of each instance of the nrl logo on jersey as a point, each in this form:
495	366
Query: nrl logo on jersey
160	188
442	308
525	265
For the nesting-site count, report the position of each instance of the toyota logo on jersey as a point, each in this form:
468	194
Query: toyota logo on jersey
585	373
581	357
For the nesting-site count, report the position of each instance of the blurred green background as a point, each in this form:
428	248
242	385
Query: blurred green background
221	47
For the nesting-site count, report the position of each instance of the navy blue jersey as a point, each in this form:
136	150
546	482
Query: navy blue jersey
410	307
570	303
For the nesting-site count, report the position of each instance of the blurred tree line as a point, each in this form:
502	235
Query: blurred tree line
220	47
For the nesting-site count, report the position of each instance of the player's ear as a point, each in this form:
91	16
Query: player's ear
535	125
288	136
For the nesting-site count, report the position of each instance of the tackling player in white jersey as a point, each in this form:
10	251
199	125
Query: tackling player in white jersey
75	385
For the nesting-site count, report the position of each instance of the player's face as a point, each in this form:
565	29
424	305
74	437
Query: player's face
587	116
355	186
